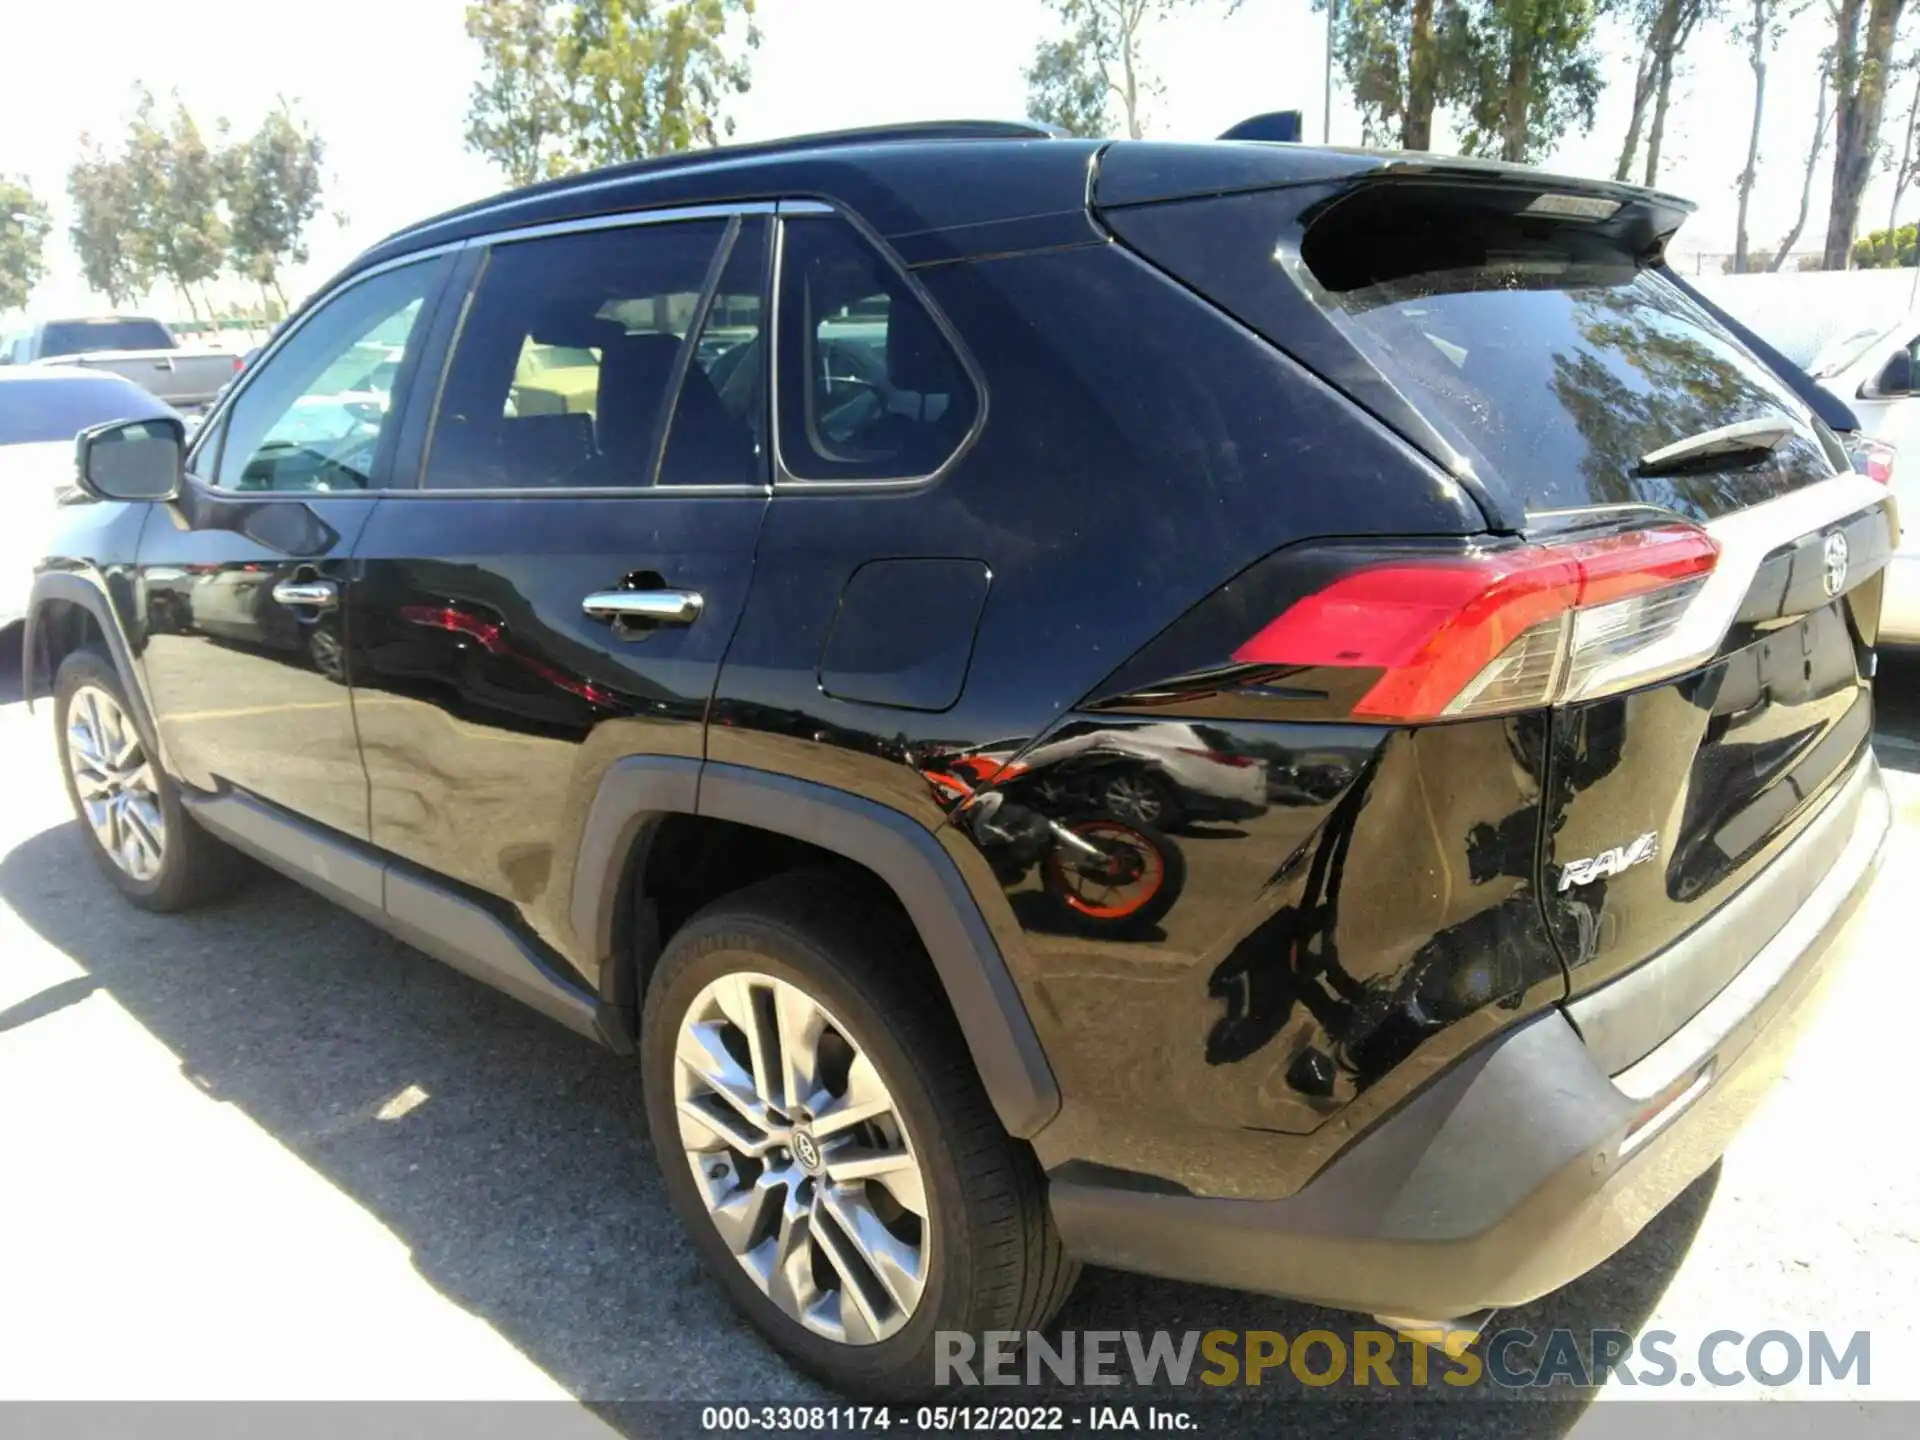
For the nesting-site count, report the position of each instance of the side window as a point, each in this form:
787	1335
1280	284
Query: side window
313	416
718	433
567	356
870	389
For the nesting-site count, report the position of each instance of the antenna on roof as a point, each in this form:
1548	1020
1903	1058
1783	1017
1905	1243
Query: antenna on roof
1282	125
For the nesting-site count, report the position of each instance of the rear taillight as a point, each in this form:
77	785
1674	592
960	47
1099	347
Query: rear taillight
1499	630
1220	757
1871	458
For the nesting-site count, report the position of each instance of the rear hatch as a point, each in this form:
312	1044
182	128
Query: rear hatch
1700	566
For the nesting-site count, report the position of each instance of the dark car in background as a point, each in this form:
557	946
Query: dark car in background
775	703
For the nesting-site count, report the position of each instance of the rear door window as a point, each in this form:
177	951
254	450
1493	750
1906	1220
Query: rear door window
570	350
871	388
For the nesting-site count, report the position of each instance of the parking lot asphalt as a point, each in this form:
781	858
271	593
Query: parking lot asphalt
264	1151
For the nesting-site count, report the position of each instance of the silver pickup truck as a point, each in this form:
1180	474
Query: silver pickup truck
135	346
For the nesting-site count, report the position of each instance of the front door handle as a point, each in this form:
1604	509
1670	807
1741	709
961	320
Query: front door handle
657	607
311	594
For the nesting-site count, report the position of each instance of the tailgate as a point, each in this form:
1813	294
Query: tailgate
1522	330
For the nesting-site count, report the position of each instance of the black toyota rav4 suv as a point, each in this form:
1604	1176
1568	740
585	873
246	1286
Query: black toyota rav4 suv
726	602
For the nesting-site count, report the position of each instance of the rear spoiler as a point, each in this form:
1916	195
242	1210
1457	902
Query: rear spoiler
1837	415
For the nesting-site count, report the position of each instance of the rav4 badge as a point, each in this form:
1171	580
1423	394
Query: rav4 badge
1609	862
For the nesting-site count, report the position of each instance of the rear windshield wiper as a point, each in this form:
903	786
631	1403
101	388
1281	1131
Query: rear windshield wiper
1740	443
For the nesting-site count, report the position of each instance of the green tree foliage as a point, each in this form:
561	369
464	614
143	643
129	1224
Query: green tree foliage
1862	51
107	214
517	112
1532	72
1099	56
169	205
1065	86
1401	59
24	224
568	84
178	229
1673	383
1887	249
1663	28
272	183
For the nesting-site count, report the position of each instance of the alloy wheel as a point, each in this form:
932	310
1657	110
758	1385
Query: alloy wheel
802	1158
115	782
1135	798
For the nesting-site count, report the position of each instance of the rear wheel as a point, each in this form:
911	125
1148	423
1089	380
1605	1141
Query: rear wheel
827	1144
136	828
1131	884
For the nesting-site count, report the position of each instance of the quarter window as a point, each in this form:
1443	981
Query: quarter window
315	415
870	387
567	357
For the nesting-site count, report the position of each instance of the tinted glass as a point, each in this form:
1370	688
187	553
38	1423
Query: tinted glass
567	356
1538	346
1563	386
718	435
76	337
870	388
49	407
313	414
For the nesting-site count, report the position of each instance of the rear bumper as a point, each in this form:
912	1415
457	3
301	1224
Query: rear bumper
1521	1168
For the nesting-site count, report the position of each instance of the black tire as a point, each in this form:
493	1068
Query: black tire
194	867
996	1262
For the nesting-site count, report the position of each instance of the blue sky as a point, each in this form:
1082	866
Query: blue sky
386	83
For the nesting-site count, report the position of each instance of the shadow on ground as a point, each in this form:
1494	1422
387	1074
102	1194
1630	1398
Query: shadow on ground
524	1186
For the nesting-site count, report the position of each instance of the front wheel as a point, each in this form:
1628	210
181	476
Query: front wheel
827	1144
136	828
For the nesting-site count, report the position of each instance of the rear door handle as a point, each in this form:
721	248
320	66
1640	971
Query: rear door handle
313	594
658	607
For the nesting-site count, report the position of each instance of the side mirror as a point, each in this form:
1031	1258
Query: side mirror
132	459
1894	380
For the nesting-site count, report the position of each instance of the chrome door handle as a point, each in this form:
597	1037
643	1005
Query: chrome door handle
659	607
313	594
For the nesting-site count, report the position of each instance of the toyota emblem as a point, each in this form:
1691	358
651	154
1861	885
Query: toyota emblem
1836	558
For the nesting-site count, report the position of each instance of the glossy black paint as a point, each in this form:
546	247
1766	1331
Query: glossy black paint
247	691
1725	767
490	705
1334	913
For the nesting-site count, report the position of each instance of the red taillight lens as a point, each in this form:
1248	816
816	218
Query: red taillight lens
1486	633
1873	459
239	363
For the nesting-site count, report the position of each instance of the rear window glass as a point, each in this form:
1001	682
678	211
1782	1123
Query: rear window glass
39	409
1563	383
76	337
1543	349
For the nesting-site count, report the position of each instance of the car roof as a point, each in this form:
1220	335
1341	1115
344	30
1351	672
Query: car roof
902	180
28	374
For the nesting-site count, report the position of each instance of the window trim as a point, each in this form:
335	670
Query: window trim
785	479
622	220
214	422
780	478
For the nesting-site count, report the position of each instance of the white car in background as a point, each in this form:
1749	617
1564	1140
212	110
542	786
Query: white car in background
1875	371
41	410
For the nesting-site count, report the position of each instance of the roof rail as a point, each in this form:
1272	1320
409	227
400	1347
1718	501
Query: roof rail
823	140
